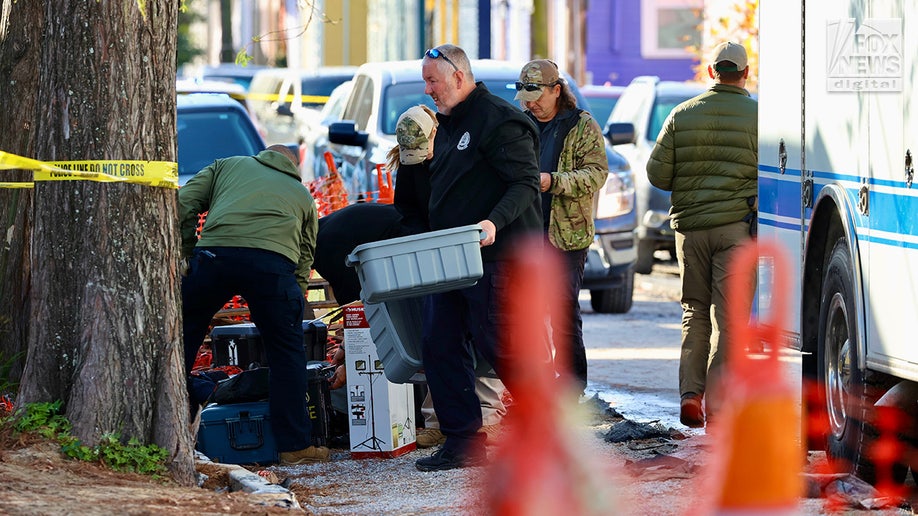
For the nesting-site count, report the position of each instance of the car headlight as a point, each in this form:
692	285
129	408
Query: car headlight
616	197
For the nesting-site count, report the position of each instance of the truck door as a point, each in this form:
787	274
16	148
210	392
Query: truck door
780	110
891	240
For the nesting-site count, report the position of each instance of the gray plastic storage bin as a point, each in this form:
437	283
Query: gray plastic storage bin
395	327
415	265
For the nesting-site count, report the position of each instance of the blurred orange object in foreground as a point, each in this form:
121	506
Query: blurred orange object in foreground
540	465
757	459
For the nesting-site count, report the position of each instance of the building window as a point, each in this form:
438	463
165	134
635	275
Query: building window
669	26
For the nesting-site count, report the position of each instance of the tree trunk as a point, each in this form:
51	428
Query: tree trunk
106	333
20	49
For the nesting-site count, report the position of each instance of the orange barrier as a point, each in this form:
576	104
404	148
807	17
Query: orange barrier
328	191
330	194
757	459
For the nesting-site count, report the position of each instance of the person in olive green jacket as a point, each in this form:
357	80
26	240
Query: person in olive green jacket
258	241
707	156
572	157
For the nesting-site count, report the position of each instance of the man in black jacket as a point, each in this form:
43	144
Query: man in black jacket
484	170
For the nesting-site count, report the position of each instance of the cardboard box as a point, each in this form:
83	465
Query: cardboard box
381	413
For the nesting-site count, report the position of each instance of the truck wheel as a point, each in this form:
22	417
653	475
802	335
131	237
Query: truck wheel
644	262
850	388
614	300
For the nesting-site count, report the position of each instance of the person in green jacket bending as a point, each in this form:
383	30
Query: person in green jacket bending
258	242
707	156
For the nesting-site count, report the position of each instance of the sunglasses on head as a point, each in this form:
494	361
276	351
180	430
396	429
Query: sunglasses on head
434	53
531	86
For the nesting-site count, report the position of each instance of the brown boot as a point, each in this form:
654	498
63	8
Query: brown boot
429	437
311	454
690	413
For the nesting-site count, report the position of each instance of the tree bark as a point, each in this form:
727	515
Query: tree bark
106	333
20	49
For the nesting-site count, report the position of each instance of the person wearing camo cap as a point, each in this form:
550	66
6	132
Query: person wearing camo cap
572	160
415	132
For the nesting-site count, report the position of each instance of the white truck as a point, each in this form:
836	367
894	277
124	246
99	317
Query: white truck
838	137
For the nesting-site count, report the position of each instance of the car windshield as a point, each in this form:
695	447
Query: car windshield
661	109
320	87
206	136
600	107
399	97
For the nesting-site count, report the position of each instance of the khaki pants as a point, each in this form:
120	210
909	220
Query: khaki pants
704	266
489	391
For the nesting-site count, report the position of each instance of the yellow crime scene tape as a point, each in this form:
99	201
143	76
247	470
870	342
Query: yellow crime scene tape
270	97
162	174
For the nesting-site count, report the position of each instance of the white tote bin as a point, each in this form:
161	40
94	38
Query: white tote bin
415	265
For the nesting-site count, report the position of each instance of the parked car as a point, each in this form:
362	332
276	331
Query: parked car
315	135
383	91
230	73
212	126
284	101
234	90
602	99
633	127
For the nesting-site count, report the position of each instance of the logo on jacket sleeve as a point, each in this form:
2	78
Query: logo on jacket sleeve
464	141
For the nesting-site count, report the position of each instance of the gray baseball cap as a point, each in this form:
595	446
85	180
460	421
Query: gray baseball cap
730	57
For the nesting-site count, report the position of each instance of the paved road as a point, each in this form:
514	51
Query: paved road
633	364
634	357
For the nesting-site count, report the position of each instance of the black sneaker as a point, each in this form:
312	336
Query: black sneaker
444	459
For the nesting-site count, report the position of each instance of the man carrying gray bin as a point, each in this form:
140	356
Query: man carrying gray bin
485	171
258	241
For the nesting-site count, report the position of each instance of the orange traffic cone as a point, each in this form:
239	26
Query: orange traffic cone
756	460
540	465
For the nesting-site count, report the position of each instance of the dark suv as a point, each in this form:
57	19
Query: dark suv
383	91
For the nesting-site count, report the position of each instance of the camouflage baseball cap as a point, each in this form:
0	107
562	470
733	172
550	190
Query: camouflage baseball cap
413	132
541	72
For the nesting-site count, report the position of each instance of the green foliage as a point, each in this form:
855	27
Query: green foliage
9	385
133	456
73	448
46	420
243	58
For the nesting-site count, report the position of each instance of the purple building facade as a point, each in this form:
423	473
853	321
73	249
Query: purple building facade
628	38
